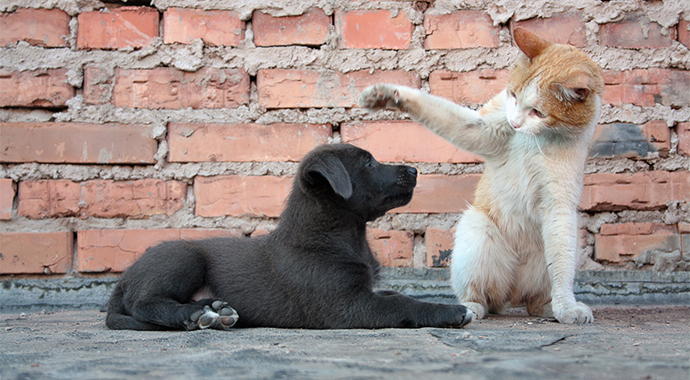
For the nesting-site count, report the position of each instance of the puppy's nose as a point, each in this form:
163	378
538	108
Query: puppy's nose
412	171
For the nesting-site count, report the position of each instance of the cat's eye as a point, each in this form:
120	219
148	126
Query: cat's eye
537	113
511	94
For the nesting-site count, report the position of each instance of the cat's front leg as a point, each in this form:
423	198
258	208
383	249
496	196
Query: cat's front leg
384	96
560	246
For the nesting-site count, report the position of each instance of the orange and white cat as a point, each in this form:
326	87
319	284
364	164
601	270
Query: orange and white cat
516	245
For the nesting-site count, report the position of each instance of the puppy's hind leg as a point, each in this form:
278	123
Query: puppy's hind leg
215	314
482	265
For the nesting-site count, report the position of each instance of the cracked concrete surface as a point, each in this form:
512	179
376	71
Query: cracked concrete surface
623	343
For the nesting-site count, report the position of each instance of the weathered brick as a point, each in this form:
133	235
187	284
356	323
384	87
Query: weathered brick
474	87
280	88
563	28
77	143
647	87
98	85
684	230
38	88
439	246
116	250
437	193
392	248
376	29
635	30
683	131
398	141
684	32
618	243
169	88
214	27
100	198
35	252
237	195
7	192
38	27
244	142
309	29
637	191
117	28
630	140
460	30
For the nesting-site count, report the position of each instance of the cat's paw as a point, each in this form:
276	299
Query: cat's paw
380	96
478	310
219	315
576	314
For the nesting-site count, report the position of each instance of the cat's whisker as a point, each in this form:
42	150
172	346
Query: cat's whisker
536	141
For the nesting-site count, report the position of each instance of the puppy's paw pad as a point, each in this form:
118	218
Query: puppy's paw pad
577	314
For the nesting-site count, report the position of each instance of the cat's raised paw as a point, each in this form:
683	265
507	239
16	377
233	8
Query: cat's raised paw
577	314
380	96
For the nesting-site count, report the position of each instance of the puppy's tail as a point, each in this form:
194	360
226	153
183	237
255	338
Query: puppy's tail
118	319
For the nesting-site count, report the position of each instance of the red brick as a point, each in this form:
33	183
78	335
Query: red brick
309	29
32	253
215	28
100	198
624	242
630	140
638	191
460	30
684	32
38	27
77	143
392	248
376	29
398	141
169	88
116	250
647	87
439	246
280	88
683	131
237	195
437	193
635	31
7	192
117	28
564	28
474	87
244	142
39	88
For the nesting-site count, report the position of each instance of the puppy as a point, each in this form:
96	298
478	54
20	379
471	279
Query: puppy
315	270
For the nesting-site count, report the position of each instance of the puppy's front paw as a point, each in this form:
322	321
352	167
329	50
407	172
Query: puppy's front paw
380	96
219	315
576	314
478	310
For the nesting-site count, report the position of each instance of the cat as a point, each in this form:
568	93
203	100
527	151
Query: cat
517	244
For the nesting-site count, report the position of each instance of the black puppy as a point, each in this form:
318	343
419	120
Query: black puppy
315	270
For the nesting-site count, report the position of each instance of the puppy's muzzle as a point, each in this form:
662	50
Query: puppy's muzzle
407	177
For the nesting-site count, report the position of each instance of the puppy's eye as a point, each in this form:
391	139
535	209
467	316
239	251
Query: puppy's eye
369	163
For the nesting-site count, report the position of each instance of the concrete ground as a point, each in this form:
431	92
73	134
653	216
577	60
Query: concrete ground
624	342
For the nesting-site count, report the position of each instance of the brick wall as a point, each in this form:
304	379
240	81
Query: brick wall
125	125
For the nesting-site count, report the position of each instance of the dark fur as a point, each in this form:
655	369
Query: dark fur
315	270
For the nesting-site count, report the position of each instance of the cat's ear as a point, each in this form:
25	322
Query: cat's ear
530	44
576	89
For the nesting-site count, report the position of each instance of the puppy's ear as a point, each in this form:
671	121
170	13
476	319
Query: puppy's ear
332	169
